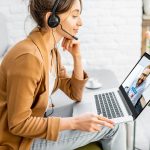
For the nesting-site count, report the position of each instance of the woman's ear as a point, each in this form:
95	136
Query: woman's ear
46	18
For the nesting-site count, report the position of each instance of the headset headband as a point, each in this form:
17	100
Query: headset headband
55	6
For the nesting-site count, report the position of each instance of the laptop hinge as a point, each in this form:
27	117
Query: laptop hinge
125	103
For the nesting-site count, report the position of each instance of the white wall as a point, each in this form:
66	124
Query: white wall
110	38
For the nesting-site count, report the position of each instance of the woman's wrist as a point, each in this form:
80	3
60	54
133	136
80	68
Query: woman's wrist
77	57
78	68
68	123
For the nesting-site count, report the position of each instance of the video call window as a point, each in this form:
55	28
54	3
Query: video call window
137	85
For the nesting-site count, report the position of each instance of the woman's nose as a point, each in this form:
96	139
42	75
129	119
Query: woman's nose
80	22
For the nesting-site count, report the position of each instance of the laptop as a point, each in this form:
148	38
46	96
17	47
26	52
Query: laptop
124	103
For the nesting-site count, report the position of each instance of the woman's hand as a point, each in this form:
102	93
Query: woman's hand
92	122
86	122
72	46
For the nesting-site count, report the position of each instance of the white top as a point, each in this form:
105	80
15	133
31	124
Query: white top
52	77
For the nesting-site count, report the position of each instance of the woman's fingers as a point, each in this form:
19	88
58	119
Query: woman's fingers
103	121
65	43
100	117
97	128
68	44
62	44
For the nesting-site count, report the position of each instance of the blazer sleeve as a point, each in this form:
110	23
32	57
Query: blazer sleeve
23	76
72	86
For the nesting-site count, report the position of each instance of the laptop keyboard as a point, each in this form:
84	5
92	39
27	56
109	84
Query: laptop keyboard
108	106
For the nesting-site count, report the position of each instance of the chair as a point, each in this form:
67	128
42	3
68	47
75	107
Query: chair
91	146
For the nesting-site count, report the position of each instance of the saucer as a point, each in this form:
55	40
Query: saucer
93	84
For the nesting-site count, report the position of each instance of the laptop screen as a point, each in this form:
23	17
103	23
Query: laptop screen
137	85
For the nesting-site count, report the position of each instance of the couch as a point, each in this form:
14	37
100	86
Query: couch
4	43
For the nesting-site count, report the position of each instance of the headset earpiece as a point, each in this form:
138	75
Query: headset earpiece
53	21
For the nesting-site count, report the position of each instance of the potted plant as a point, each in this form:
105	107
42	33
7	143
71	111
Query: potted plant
147	34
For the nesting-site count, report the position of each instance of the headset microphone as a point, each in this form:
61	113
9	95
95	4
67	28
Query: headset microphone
74	37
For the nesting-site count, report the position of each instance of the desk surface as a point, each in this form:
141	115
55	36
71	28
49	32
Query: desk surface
104	76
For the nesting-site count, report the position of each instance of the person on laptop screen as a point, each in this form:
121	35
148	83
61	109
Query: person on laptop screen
32	71
137	87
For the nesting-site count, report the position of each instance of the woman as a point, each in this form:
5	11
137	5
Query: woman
32	71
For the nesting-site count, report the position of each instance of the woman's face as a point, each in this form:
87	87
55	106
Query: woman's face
71	20
143	76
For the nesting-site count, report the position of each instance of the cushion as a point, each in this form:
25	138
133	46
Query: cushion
1	59
3	35
91	146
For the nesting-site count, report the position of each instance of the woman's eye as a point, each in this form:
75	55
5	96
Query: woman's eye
75	16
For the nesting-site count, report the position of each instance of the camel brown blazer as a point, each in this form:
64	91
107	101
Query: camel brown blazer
24	86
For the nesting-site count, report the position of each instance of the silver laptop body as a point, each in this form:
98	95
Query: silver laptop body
115	103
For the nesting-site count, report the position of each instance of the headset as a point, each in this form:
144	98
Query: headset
54	19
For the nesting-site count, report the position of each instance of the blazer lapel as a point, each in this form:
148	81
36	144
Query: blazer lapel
36	38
